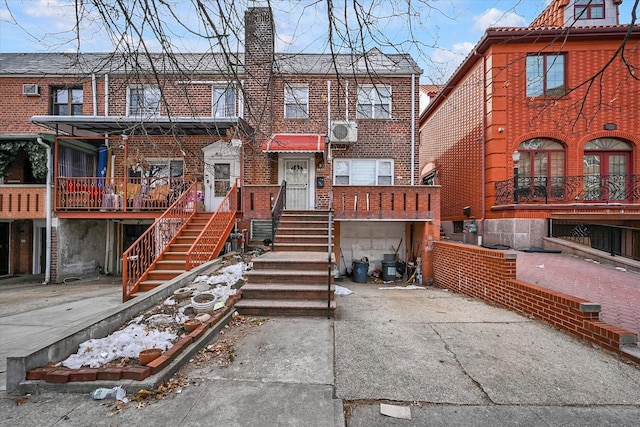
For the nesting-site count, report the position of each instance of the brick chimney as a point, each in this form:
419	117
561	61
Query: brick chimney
258	62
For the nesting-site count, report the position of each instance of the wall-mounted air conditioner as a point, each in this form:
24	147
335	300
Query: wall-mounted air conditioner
343	131
31	89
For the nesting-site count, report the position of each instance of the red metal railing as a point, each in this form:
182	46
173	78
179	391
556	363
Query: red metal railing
117	194
142	255
214	235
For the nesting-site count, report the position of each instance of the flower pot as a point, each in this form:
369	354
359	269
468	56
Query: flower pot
203	303
203	317
191	324
182	293
149	354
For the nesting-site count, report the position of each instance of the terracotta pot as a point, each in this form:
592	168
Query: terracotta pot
149	354
191	324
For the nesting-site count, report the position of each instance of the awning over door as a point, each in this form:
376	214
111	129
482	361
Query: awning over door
294	143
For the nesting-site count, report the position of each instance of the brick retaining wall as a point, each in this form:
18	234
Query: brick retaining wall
490	275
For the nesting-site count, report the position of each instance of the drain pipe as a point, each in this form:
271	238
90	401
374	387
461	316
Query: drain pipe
47	271
413	127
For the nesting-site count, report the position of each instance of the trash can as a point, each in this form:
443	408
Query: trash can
360	270
389	270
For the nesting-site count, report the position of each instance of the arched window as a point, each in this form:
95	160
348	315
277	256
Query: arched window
606	165
541	168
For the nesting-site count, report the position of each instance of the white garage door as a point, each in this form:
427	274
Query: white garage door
371	240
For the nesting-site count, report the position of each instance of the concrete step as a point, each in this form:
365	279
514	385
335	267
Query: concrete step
259	307
291	264
309	231
301	247
281	291
301	238
302	223
288	277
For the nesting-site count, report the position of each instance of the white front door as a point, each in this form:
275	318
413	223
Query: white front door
296	173
221	169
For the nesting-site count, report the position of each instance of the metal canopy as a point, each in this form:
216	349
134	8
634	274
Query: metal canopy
158	126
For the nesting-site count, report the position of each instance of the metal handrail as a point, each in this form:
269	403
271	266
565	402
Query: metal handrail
276	211
142	255
213	236
588	188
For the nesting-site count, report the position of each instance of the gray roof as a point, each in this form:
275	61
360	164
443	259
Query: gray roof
74	64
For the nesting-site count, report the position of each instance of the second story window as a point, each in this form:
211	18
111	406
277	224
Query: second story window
589	9
296	102
224	101
66	101
374	102
545	75
143	101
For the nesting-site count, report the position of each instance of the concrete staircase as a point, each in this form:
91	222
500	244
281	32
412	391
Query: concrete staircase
296	278
172	263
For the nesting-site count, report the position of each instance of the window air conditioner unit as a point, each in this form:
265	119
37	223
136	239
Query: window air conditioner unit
344	131
31	89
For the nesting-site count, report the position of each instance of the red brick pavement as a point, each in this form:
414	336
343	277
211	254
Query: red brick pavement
618	292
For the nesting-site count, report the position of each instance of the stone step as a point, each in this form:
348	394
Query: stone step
288	277
281	291
301	247
260	307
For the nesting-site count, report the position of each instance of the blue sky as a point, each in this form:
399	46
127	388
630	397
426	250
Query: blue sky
439	35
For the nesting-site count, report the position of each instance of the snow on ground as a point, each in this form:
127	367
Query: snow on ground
136	336
403	287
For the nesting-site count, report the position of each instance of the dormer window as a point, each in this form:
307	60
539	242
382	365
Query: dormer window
589	9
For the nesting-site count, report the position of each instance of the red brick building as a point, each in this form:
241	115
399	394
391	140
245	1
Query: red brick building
563	95
128	134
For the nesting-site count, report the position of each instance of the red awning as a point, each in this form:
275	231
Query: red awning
293	143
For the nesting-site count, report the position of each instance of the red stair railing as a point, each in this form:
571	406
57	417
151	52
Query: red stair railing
211	240
144	252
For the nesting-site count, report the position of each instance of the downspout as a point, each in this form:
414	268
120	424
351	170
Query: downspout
94	86
483	154
47	271
413	127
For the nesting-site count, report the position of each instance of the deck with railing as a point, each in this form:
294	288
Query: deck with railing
386	202
95	194
569	189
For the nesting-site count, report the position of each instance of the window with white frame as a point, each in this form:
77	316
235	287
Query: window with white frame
143	101
363	172
374	102
224	100
296	101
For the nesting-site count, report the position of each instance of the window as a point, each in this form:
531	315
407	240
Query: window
221	179
224	101
606	162
76	163
545	75
144	101
296	102
374	102
541	168
589	9
363	172
66	101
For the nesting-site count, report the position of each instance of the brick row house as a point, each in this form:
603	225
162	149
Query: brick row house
130	135
535	139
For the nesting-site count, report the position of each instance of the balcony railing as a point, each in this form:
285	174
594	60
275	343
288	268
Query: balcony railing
570	189
385	202
117	194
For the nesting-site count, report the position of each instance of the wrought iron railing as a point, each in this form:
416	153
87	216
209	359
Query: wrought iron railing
563	189
614	239
211	240
118	193
140	257
276	211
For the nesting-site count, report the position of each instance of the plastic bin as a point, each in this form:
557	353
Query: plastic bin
360	270
389	270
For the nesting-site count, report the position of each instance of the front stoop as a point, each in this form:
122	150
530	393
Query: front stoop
296	279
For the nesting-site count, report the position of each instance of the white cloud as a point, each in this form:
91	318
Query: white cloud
497	18
49	8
